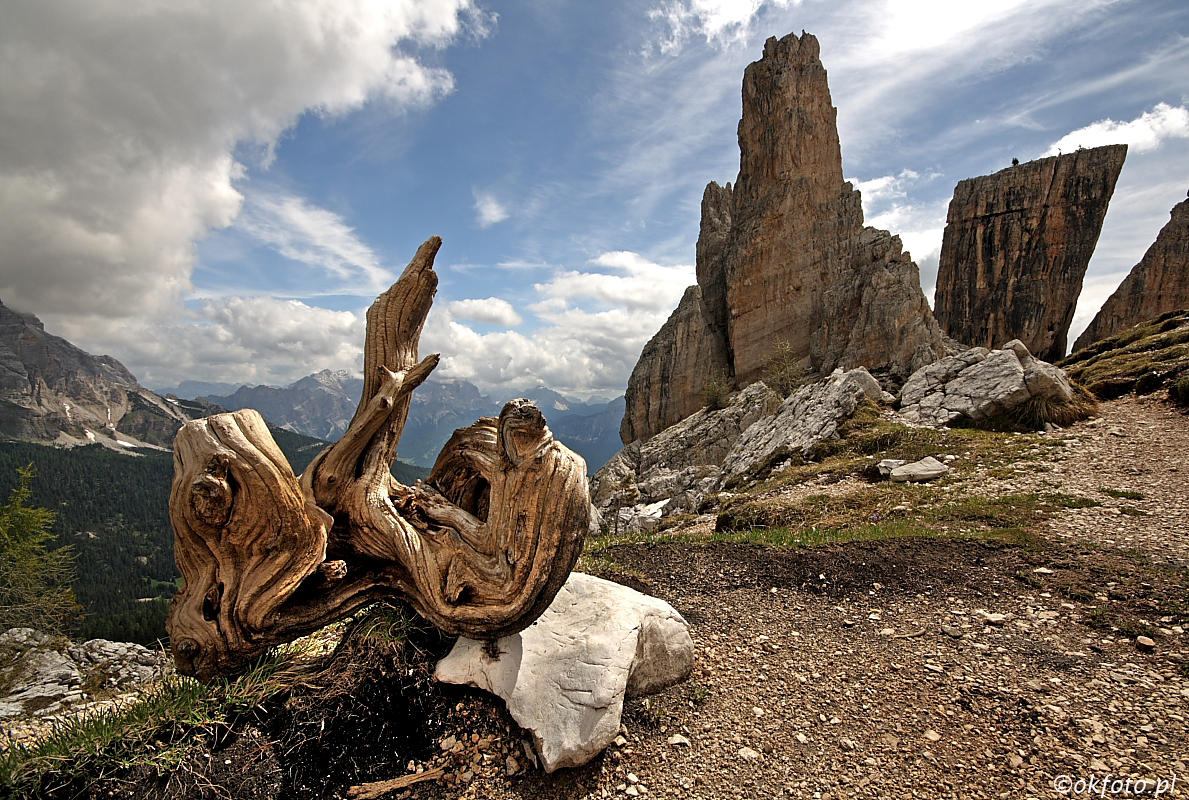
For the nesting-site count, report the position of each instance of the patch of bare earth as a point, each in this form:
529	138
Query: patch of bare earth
877	669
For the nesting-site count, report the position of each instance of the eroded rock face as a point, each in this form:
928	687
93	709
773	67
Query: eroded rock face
979	385
1159	283
52	390
783	256
565	677
799	264
810	415
666	383
1016	246
680	462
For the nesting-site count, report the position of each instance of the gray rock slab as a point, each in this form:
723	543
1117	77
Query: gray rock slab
979	385
565	677
926	469
810	415
681	457
46	674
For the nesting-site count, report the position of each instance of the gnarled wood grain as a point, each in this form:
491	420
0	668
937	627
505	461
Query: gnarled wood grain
481	549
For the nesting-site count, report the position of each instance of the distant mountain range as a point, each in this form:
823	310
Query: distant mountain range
322	404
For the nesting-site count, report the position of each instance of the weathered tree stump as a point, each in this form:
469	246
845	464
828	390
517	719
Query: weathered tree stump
480	549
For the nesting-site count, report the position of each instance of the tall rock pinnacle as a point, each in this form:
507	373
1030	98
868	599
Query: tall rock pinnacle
783	257
1016	247
1159	283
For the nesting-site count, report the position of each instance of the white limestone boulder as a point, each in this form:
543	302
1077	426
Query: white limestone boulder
926	469
565	677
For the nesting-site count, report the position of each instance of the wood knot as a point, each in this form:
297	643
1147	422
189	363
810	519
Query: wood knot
211	499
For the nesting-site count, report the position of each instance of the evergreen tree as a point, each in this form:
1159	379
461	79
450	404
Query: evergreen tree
34	582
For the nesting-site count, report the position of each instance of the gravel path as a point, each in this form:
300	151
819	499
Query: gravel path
879	669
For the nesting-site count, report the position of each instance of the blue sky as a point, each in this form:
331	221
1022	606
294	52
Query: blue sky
217	191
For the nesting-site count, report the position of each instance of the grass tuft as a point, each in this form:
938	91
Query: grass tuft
156	731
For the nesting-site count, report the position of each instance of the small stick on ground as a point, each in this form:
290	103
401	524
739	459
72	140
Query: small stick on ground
370	791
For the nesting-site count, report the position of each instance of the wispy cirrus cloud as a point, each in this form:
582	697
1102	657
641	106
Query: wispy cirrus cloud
301	231
1146	132
719	22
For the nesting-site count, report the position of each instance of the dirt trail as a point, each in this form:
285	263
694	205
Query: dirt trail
870	669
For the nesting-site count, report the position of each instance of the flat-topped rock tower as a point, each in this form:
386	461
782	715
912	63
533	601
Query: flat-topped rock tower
783	256
1016	247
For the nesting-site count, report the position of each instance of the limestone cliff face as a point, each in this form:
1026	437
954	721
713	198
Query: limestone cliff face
1159	283
666	385
799	265
1016	246
783	255
52	390
712	279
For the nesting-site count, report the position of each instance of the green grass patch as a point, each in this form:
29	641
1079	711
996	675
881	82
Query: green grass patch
887	510
1121	494
1143	359
865	439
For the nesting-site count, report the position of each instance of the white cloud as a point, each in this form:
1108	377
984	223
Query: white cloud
577	353
489	210
492	310
119	122
303	232
720	22
639	284
233	339
1141	135
578	350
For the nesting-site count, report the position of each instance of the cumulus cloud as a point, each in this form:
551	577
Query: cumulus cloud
1142	134
578	353
492	310
304	232
120	122
635	282
489	211
720	22
596	322
235	339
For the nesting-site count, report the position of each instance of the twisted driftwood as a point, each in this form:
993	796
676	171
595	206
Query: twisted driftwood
480	550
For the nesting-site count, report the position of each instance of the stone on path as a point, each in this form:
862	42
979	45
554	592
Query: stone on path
926	469
565	677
